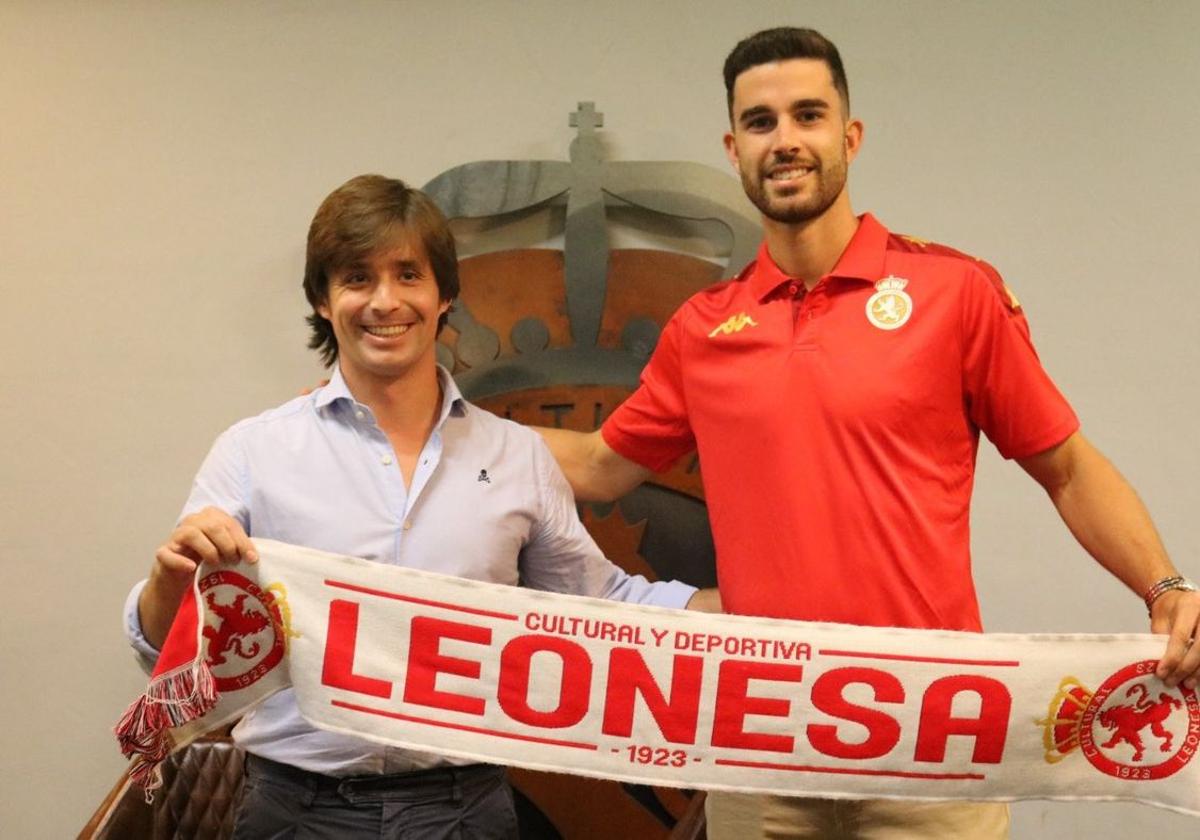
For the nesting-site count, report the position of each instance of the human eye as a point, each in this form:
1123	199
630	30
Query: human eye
760	123
411	273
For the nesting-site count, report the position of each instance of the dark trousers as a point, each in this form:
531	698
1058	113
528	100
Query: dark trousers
281	802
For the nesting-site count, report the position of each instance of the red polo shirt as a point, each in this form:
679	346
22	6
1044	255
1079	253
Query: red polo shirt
837	429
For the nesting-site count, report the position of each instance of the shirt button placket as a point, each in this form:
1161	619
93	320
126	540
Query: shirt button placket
388	461
801	314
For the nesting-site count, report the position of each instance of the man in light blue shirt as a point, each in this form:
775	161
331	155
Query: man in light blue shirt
387	462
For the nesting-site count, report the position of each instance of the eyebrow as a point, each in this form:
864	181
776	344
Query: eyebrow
363	265
761	110
812	102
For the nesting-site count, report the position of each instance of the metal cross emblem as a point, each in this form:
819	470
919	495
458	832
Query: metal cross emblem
587	184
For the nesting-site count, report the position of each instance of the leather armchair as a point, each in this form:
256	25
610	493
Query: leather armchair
202	783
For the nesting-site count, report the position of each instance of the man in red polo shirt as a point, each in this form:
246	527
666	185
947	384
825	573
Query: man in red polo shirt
835	391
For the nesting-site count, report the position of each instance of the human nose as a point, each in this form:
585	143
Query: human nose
385	297
787	137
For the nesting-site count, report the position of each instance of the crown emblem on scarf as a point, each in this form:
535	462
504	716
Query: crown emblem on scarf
1060	727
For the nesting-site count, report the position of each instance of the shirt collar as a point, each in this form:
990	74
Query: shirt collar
333	391
862	260
452	398
453	401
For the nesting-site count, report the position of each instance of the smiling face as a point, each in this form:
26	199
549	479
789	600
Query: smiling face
790	141
372	215
384	310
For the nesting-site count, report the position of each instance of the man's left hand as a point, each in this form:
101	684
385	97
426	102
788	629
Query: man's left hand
1177	614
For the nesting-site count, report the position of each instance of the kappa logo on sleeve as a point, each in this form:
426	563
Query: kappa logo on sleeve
1131	727
1013	303
251	634
735	324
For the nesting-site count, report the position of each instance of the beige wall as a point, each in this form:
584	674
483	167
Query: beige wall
159	163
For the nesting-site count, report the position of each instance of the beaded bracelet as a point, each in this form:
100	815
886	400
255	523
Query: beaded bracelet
1165	585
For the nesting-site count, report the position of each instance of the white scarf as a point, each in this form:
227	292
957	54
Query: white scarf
665	697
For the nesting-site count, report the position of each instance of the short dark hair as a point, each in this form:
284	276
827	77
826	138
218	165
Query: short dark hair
781	44
359	217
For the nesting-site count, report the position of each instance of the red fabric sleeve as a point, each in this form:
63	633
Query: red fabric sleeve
651	427
1010	397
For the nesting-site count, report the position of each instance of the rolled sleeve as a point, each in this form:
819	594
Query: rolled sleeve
146	653
563	557
221	482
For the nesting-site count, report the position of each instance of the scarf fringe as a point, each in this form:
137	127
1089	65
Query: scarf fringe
171	700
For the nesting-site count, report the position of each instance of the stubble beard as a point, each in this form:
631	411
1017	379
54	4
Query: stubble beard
786	210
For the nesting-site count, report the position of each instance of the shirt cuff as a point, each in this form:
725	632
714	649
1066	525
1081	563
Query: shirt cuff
674	594
146	653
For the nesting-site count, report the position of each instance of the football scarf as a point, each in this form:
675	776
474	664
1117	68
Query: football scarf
667	697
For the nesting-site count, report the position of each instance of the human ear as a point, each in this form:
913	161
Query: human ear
853	138
731	150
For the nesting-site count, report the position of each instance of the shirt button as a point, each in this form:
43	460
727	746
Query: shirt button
359	415
792	289
407	524
387	460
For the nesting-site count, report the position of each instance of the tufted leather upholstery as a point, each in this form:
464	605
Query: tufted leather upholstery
201	785
200	789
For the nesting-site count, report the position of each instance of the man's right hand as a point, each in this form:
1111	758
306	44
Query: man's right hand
210	535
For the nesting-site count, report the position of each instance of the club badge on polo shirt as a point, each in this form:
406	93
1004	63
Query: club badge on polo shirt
890	307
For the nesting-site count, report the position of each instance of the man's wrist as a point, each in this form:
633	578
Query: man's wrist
705	600
1163	586
163	582
164	588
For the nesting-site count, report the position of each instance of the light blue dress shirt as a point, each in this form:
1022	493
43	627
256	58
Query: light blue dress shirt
487	502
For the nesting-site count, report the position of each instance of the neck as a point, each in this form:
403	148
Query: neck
810	250
407	405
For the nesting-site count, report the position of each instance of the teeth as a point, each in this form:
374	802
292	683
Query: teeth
789	174
388	332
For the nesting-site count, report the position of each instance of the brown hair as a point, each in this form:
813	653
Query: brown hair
781	44
359	217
